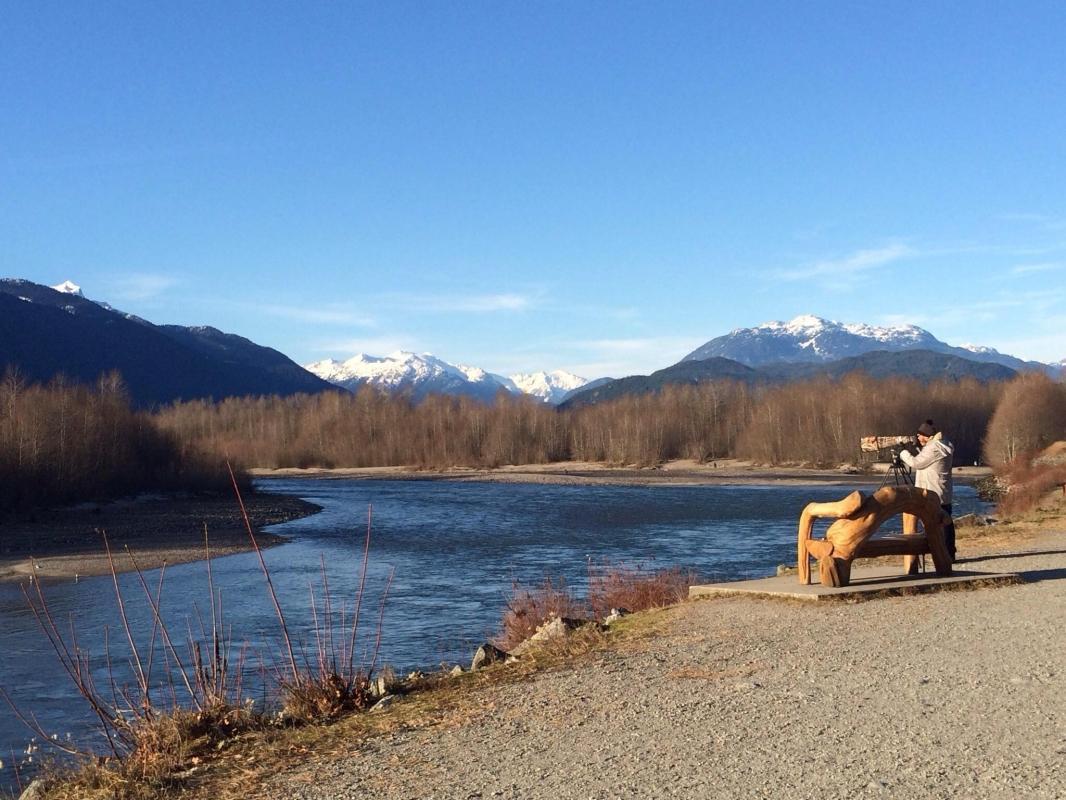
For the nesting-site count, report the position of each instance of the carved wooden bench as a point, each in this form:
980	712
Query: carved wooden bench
857	519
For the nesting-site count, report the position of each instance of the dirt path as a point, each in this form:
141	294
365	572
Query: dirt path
955	694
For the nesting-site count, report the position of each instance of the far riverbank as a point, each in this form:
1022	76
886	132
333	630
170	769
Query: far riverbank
670	473
65	543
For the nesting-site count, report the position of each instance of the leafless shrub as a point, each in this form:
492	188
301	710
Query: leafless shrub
635	588
529	607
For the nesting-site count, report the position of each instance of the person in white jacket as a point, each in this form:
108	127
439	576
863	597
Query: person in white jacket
932	471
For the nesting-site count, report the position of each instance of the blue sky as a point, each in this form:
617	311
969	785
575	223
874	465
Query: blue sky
600	187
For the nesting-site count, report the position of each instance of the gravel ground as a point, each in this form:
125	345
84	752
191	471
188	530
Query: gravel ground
955	694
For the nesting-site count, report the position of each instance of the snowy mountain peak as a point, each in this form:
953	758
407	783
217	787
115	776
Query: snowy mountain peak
69	287
808	338
551	387
424	373
806	323
979	349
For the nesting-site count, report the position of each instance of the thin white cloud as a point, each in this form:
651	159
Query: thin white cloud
850	266
1029	269
321	316
630	355
458	303
138	286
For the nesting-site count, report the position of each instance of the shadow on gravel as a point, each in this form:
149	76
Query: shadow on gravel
1043	575
1020	554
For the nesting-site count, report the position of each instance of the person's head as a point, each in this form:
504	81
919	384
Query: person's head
926	431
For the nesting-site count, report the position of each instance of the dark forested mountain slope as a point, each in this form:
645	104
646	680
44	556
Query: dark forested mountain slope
922	365
44	333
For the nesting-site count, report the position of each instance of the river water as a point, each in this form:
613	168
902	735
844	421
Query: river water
454	549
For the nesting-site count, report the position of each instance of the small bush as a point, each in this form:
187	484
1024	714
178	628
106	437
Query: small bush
530	607
636	589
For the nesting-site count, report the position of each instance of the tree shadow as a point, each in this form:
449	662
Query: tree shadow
1030	575
1019	554
1033	576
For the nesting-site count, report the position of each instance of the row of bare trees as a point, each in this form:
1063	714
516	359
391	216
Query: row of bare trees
67	442
1031	416
814	422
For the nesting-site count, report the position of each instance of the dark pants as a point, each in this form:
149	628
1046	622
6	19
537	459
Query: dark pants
949	531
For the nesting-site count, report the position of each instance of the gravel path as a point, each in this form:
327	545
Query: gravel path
955	694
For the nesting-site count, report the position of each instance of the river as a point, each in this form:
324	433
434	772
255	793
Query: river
454	549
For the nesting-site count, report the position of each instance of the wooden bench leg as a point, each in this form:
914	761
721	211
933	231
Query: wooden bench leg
910	527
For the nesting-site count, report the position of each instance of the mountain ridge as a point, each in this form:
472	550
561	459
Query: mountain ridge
926	365
422	374
808	338
45	333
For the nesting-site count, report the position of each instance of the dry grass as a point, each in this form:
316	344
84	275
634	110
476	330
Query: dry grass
611	586
242	766
636	589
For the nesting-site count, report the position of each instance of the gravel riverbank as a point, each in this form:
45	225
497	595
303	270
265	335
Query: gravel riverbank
66	542
954	694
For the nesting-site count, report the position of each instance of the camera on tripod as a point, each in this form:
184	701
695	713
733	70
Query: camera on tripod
889	448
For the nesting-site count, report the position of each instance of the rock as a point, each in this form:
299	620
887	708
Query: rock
487	654
554	628
35	791
968	521
383	703
615	615
786	569
456	670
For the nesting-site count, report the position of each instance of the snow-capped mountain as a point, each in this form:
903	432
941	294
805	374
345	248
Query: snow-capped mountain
813	339
420	374
550	387
423	374
69	287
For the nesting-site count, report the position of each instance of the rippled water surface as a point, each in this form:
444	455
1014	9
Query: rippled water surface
454	549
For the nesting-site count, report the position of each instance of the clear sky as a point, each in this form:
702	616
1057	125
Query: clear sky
600	187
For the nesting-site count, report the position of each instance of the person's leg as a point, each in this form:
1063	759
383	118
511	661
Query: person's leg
949	531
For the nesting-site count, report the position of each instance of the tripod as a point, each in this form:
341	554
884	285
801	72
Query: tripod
898	474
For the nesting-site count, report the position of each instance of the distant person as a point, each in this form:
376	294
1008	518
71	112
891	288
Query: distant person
932	471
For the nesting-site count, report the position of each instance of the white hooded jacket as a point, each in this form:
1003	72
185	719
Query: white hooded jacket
932	466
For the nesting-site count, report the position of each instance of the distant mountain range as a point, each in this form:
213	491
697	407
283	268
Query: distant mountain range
925	365
423	374
46	331
809	346
809	339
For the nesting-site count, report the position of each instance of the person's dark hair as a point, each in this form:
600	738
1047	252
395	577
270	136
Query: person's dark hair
927	428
